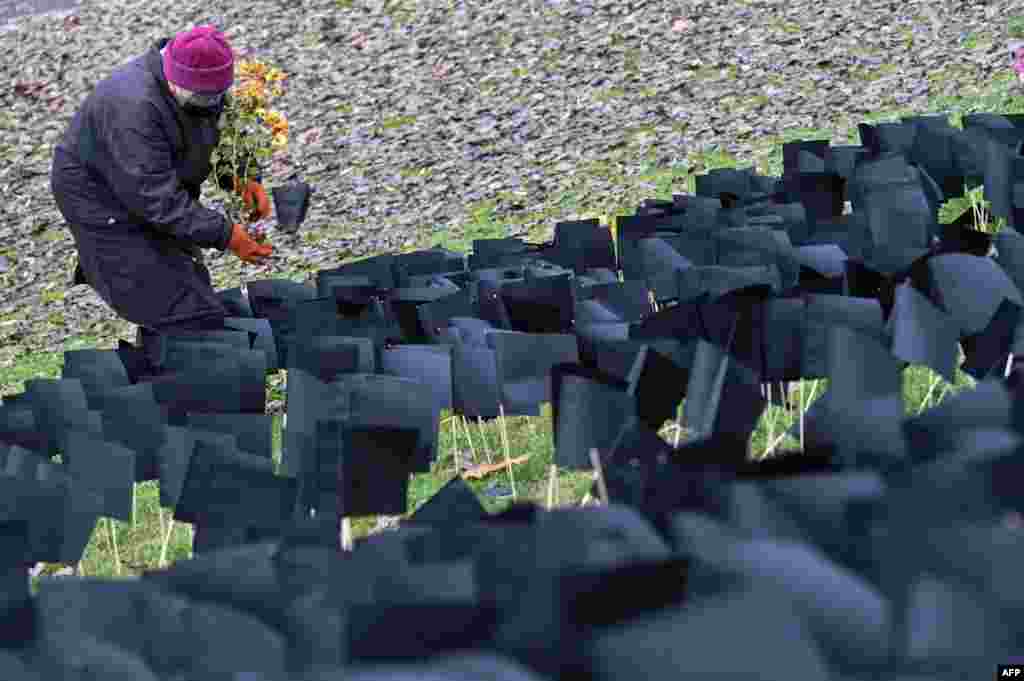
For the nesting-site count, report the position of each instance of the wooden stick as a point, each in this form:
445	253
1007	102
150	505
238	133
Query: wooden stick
484	444
167	541
595	461
679	424
1009	365
803	408
346	534
551	485
113	541
456	453
768	415
771	447
508	453
469	437
928	395
454	425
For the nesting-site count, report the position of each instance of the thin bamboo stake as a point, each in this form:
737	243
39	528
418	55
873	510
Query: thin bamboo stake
167	541
768	415
803	408
484	444
928	395
679	424
551	485
113	541
595	461
456	452
346	534
771	447
455	440
508	453
469	438
1009	365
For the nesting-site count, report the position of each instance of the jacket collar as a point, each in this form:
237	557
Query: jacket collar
156	65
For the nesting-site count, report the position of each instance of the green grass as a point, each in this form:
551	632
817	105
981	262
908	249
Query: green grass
139	543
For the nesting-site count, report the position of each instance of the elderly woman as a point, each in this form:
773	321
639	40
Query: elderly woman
126	176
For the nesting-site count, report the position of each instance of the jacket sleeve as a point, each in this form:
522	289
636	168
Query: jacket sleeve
136	160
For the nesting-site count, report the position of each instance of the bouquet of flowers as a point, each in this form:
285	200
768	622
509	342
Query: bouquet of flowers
250	132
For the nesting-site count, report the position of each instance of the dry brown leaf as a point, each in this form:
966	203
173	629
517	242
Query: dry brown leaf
310	136
482	470
30	88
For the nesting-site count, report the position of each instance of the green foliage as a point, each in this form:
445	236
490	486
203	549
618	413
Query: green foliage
1015	27
973	200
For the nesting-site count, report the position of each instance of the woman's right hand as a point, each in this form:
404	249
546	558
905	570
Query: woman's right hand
247	248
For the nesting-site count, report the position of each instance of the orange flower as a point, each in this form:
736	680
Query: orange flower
251	93
252	69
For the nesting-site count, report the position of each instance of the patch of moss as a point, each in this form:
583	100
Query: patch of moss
395	122
52	235
1015	27
608	94
758	101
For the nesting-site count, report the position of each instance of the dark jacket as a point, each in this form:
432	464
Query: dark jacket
126	176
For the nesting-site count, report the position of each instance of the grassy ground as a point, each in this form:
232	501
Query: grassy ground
139	543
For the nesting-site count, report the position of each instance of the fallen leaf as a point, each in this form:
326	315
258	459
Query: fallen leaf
482	470
440	70
680	25
29	88
71	22
310	136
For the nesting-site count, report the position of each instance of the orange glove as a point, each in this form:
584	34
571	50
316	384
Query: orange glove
246	248
254	196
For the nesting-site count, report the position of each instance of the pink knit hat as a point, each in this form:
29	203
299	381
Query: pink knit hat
200	61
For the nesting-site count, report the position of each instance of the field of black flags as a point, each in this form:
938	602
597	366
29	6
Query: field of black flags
888	549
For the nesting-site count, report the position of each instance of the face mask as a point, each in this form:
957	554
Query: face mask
197	104
200	111
204	106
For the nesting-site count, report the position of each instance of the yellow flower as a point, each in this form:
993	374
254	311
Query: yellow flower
252	94
275	74
252	69
280	128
